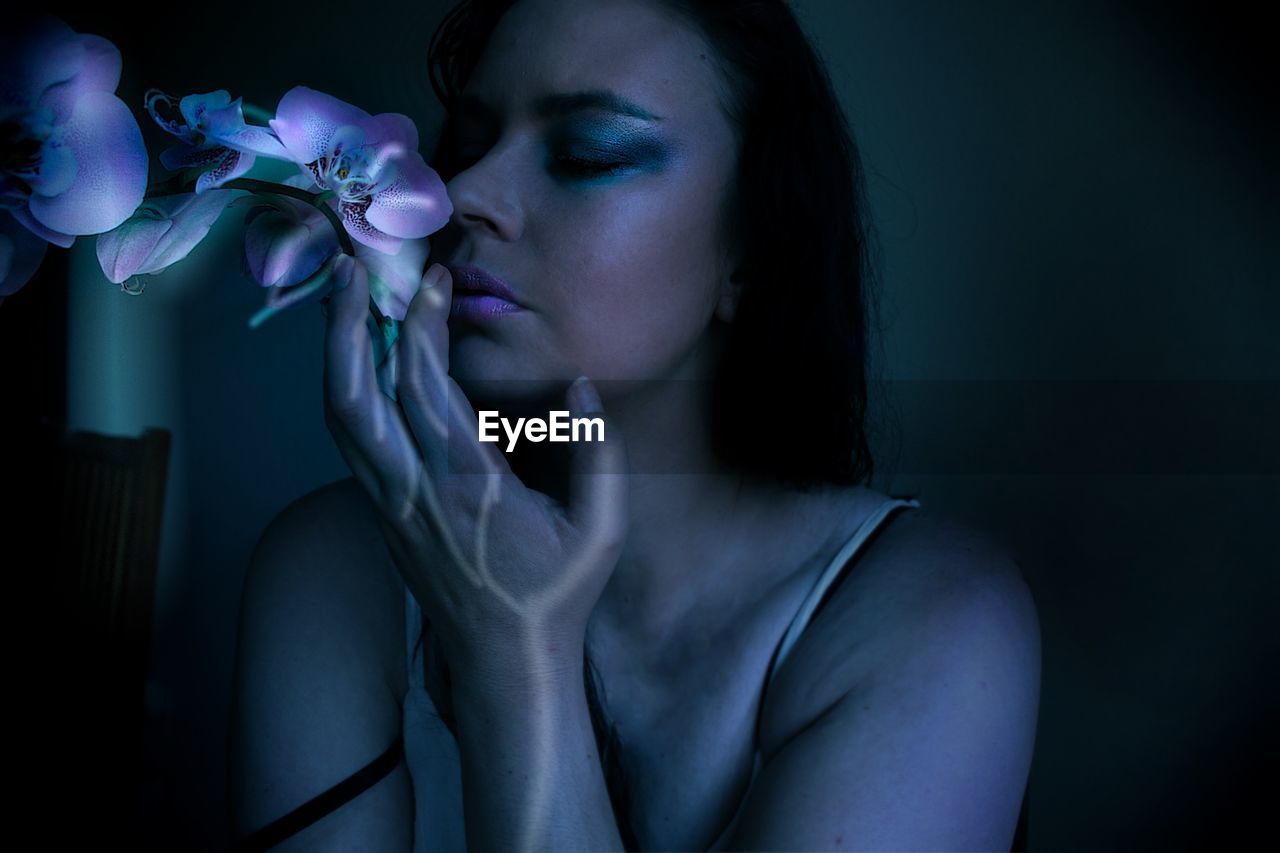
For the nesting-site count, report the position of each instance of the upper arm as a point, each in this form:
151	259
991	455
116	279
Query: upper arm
930	746
315	697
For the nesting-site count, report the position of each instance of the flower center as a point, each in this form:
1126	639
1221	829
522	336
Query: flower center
345	174
20	149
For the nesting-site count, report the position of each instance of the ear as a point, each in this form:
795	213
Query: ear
730	294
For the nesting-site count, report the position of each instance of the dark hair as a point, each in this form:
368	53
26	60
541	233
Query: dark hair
800	333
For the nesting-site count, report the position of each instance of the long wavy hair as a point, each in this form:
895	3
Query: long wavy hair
791	391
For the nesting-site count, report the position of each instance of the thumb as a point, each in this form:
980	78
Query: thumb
597	469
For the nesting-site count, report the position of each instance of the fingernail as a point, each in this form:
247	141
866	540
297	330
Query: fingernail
432	277
342	273
586	395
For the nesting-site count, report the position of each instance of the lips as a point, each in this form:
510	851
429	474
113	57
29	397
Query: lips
469	279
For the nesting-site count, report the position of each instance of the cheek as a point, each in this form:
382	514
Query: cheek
640	277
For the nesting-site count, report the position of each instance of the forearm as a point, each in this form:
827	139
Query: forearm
531	773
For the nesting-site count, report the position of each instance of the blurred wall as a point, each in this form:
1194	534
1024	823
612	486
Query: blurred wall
1076	207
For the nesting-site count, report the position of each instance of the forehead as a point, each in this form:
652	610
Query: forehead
636	49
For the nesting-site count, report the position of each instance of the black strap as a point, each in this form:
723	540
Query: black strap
320	805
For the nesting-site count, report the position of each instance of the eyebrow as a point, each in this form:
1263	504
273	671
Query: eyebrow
559	105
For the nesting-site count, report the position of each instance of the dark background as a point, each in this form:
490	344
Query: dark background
1077	213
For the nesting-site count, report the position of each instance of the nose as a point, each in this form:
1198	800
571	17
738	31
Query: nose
485	204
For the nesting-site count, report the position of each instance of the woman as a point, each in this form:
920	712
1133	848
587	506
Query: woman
678	638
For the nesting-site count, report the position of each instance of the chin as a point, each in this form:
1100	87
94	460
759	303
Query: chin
496	379
516	397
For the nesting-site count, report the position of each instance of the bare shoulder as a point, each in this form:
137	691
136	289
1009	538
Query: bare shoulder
316	695
933	588
336	513
913	701
324	555
937	565
932	600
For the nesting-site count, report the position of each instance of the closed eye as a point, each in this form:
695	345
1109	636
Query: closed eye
584	166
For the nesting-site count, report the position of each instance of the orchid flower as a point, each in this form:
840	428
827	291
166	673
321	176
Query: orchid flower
72	160
394	279
212	134
286	240
162	232
382	189
308	290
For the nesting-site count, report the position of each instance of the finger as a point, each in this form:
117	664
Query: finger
370	435
346	343
370	431
439	414
597	471
424	351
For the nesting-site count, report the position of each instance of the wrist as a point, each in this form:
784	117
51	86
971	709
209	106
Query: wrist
519	671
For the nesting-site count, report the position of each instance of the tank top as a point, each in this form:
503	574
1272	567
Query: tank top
431	753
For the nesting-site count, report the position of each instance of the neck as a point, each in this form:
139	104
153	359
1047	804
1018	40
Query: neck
687	512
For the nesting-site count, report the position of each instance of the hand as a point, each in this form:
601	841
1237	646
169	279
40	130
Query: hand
497	567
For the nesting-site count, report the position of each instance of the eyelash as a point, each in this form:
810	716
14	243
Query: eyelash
569	162
589	167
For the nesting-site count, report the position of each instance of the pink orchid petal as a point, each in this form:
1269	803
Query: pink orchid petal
123	251
255	140
284	248
414	205
394	279
384	161
191	224
272	245
37	228
99	72
57	171
282	265
230	166
225	125
345	140
191	106
306	121
102	65
358	226
393	128
161	233
112	164
220	113
36	55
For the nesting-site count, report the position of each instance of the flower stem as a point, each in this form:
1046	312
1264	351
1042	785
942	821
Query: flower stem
316	200
294	295
184	181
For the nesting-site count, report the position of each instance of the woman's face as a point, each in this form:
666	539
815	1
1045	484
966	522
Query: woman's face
620	265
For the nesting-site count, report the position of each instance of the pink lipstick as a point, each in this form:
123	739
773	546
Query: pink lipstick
479	295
